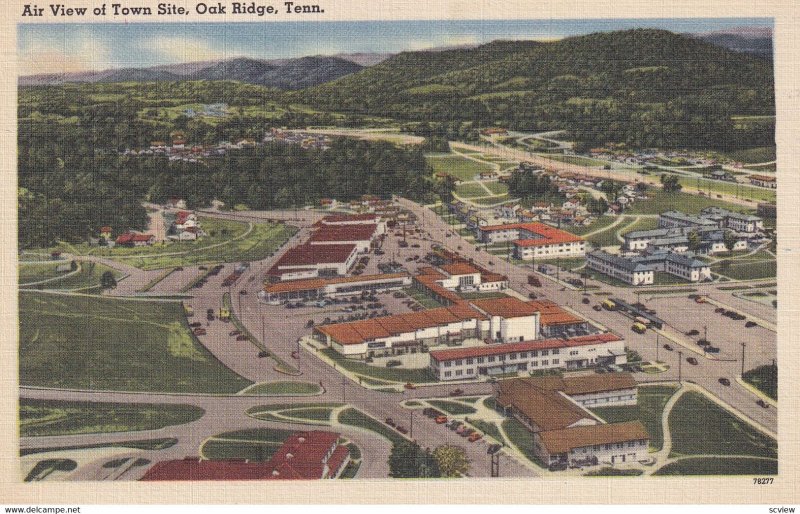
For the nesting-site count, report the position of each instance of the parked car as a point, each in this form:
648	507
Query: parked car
597	308
692	332
467	432
558	466
199	331
234	333
195	324
586	301
762	404
692	361
441	420
474	437
402	430
456	392
390	422
750	324
724	381
409	385
241	337
667	347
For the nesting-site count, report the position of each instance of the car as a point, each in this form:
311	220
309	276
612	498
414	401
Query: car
209	311
390	422
558	466
402	430
762	404
467	432
461	429
262	354
750	324
454	424
667	347
586	301
179	268
415	245
409	385
242	292
195	324
692	361
441	420
241	337
724	381
199	331
700	299
203	268
532	296
295	355
474	437
719	310
693	332
456	392
597	308
233	333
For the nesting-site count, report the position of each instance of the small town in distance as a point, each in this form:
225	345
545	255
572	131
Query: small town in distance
251	290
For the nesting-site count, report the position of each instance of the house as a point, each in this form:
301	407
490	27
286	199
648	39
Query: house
763	181
633	273
533	240
564	431
133	239
311	455
105	232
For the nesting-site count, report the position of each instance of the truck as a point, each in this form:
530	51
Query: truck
224	313
609	305
534	281
639	328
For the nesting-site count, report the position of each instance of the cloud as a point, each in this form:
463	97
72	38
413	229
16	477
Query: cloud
174	49
80	51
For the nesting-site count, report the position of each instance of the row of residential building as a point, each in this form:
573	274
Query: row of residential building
639	270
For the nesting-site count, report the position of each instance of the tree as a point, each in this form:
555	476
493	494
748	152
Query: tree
730	239
694	240
452	460
444	188
670	183
107	280
408	460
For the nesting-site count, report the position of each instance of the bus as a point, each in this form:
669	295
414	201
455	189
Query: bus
609	305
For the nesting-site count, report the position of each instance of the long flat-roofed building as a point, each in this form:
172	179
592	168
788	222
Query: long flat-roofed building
496	359
564	431
311	261
317	288
361	235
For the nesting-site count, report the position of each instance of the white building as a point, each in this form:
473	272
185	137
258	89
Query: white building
532	240
633	273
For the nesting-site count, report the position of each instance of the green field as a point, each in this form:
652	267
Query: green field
453	408
729	189
491	200
497	188
470	190
87	277
227	241
614	472
283	389
37	272
649	408
720	466
660	201
701	427
753	155
258	444
54	417
401	375
458	166
765	379
143	444
576	159
522	438
88	342
356	418
641	224
745	269
597	224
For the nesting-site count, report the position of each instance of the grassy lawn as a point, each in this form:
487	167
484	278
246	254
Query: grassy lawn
597	224
423	299
575	159
659	201
470	190
522	438
649	408
457	166
36	272
415	376
614	472
701	427
356	418
237	242
765	379
746	269
641	224
478	294
487	428
492	200
607	237
314	414
731	189
283	389
45	467
143	444
87	278
255	444
720	466
497	188
54	417
753	155
453	408
300	410
84	342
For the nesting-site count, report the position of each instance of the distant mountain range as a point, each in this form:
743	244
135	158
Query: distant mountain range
304	72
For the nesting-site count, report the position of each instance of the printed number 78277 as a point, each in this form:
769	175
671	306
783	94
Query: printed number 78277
763	481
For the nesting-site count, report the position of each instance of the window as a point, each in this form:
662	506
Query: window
523	355
459	362
535	363
556	351
545	353
512	356
447	373
555	361
534	354
608	447
447	364
491	358
480	360
620	445
545	362
469	361
458	372
470	371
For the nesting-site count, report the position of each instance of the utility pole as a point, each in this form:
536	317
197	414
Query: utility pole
657	345
344	384
494	464
680	362
411	426
743	346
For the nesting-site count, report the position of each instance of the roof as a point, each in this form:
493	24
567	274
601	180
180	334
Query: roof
524	346
584	384
763	178
459	268
507	307
546	408
196	469
551	313
105	229
360	232
345	218
620	262
544	234
310	255
318	283
357	332
562	441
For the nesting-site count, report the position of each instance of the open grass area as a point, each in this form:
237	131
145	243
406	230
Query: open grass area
54	417
88	342
492	200
310	411
356	418
522	438
254	444
487	428
497	188
35	272
576	159
415	376
457	166
690	203
453	408
753	155
283	389
648	409
730	189
45	467
88	277
142	444
422	298
227	241
720	466
746	269
470	190
701	427
765	379
597	224
640	224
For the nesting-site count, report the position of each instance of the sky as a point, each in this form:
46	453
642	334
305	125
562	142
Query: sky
51	48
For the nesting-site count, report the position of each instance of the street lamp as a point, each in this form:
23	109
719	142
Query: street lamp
743	346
